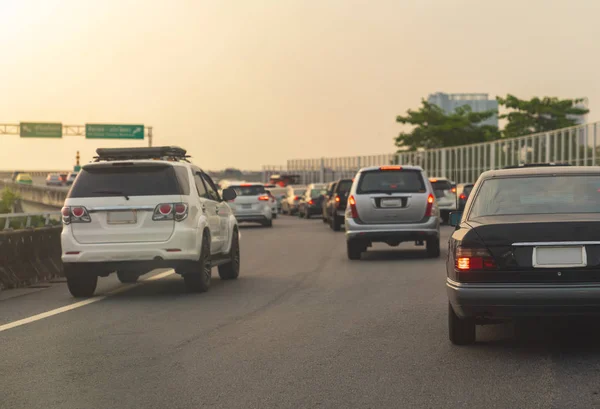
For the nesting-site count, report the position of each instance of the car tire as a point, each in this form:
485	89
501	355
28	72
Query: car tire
231	270
300	214
199	281
324	219
274	215
354	249
83	285
268	223
445	218
433	248
460	331
335	223
127	277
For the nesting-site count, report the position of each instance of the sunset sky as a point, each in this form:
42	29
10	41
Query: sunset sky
246	83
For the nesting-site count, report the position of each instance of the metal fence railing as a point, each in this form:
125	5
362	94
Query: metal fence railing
27	220
577	145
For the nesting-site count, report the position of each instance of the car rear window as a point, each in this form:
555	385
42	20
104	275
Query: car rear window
254	190
136	180
467	189
537	195
317	192
391	181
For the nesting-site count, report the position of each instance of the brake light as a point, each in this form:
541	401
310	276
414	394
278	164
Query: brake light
429	208
353	210
263	198
75	214
390	168
337	201
246	184
468	259
453	190
462	196
296	197
433	180
310	202
171	211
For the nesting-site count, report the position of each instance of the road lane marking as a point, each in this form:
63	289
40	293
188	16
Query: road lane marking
79	304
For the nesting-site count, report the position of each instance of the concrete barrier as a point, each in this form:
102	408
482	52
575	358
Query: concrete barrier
29	256
47	195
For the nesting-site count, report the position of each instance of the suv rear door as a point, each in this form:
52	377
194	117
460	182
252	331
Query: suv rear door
391	196
121	198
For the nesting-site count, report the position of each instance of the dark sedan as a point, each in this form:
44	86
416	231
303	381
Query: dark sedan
526	245
463	191
311	202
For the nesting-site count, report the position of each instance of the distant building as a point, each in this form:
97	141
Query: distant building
477	102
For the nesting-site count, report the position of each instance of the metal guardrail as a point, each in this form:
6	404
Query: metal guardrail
577	145
26	218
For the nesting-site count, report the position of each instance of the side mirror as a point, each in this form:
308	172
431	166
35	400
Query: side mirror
455	218
229	194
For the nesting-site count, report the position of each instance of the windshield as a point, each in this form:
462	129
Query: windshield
387	181
254	190
99	181
537	195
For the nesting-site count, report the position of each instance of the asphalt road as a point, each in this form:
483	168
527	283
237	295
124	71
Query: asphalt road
303	327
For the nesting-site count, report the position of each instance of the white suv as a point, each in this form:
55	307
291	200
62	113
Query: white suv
252	203
137	209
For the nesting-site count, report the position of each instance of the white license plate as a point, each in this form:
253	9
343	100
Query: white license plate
391	202
559	256
246	206
122	217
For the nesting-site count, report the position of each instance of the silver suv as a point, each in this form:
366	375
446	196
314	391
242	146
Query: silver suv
391	204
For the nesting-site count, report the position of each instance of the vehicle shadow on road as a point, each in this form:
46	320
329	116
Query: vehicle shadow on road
572	335
397	255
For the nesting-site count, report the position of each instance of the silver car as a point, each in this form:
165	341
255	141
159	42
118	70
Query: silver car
391	204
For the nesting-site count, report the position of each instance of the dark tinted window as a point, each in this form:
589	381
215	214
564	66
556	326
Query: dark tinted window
135	180
441	185
343	187
317	192
388	181
537	195
183	178
253	190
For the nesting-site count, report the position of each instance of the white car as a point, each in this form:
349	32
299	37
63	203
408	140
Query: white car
137	209
252	204
445	195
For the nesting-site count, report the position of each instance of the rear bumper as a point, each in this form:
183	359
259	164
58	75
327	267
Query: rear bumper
142	267
253	218
386	232
523	300
263	214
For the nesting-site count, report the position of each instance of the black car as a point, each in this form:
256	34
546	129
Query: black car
526	245
311	202
336	203
463	191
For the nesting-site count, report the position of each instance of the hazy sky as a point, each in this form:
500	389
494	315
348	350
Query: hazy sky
245	83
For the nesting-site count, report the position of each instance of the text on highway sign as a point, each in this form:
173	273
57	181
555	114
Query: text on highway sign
103	131
40	130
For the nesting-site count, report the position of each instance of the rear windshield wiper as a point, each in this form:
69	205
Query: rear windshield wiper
111	192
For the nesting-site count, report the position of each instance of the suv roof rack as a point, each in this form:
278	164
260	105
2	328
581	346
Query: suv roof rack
536	165
169	153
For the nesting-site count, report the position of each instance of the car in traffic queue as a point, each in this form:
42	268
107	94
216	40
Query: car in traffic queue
279	193
71	178
289	204
24	179
274	206
445	195
391	204
252	204
311	202
463	190
134	210
14	175
63	177
526	245
336	203
328	192
53	179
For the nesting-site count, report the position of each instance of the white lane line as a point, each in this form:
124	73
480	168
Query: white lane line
79	304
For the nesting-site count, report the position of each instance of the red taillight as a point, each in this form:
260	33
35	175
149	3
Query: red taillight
352	203
337	198
171	211
337	201
297	198
76	214
468	259
263	198
453	190
311	202
390	168
429	208
462	196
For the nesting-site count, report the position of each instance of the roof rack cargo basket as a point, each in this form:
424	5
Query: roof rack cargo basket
535	165
172	153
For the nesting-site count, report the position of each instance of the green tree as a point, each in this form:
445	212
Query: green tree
433	128
7	201
538	114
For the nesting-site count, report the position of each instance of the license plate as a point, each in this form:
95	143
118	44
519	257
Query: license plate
246	206
122	217
559	256
391	202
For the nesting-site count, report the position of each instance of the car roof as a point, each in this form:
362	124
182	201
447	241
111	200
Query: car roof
541	171
142	161
407	167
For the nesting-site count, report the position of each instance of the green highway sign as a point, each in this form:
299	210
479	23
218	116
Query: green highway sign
103	131
40	130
